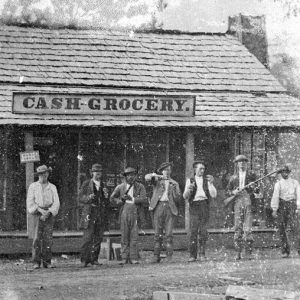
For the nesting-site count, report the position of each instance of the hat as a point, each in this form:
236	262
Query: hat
285	168
240	157
43	169
164	165
96	168
196	162
128	170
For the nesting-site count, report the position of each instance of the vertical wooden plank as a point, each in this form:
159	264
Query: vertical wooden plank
78	176
189	159
29	180
167	146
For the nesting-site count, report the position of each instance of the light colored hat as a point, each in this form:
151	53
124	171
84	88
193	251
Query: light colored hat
164	165
128	170
43	169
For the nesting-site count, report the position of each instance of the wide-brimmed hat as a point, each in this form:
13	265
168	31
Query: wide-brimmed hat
164	165
286	168
129	170
96	168
196	162
43	169
240	157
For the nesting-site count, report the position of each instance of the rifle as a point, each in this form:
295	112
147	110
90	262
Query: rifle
228	200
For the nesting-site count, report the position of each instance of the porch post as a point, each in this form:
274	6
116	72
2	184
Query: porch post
189	156
29	179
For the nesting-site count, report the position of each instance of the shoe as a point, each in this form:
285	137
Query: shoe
36	266
285	255
96	263
49	266
192	259
156	259
134	262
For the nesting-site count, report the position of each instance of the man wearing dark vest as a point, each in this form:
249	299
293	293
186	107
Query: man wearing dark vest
165	199
242	206
198	191
130	195
93	197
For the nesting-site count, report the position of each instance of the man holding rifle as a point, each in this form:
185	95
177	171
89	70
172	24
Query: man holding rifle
285	204
241	188
130	194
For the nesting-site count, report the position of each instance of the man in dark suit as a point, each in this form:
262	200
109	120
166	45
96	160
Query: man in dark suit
131	195
165	199
243	205
93	197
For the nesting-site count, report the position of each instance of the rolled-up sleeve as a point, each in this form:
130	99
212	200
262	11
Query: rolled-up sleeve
212	190
187	193
31	205
54	208
275	197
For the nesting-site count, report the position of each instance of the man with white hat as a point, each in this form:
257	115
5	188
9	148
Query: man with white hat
285	204
43	204
243	205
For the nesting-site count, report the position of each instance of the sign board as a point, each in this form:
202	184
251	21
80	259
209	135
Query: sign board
103	104
29	156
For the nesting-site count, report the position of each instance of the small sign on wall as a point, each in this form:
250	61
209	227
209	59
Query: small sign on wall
29	156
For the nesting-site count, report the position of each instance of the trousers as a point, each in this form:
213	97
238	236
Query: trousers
199	217
42	240
163	220
129	231
242	220
287	217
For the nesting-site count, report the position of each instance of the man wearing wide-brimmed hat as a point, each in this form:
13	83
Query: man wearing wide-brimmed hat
43	204
243	205
165	199
199	190
130	195
285	204
93	197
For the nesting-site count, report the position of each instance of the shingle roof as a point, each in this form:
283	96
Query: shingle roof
167	61
217	109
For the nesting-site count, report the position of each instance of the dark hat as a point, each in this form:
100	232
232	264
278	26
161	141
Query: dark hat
128	170
96	168
286	168
43	169
240	157
196	162
164	165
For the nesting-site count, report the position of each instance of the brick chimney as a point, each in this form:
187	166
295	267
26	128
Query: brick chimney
251	31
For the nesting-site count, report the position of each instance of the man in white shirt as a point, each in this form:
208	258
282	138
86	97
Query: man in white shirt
242	206
43	204
198	191
285	204
131	195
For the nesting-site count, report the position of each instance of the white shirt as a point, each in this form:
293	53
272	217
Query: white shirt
164	196
43	198
287	190
242	178
200	194
130	193
97	184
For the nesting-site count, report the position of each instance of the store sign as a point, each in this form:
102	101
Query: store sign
29	156
103	104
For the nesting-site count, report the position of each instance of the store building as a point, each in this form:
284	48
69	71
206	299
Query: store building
118	98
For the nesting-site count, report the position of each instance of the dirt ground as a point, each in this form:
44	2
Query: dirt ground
114	281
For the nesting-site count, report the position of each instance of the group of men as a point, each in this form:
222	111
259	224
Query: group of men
130	196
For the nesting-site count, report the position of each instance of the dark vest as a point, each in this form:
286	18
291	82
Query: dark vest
205	188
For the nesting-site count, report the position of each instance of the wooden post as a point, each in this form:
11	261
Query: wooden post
29	180
189	157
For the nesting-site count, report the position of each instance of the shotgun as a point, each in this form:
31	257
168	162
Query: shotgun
228	200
